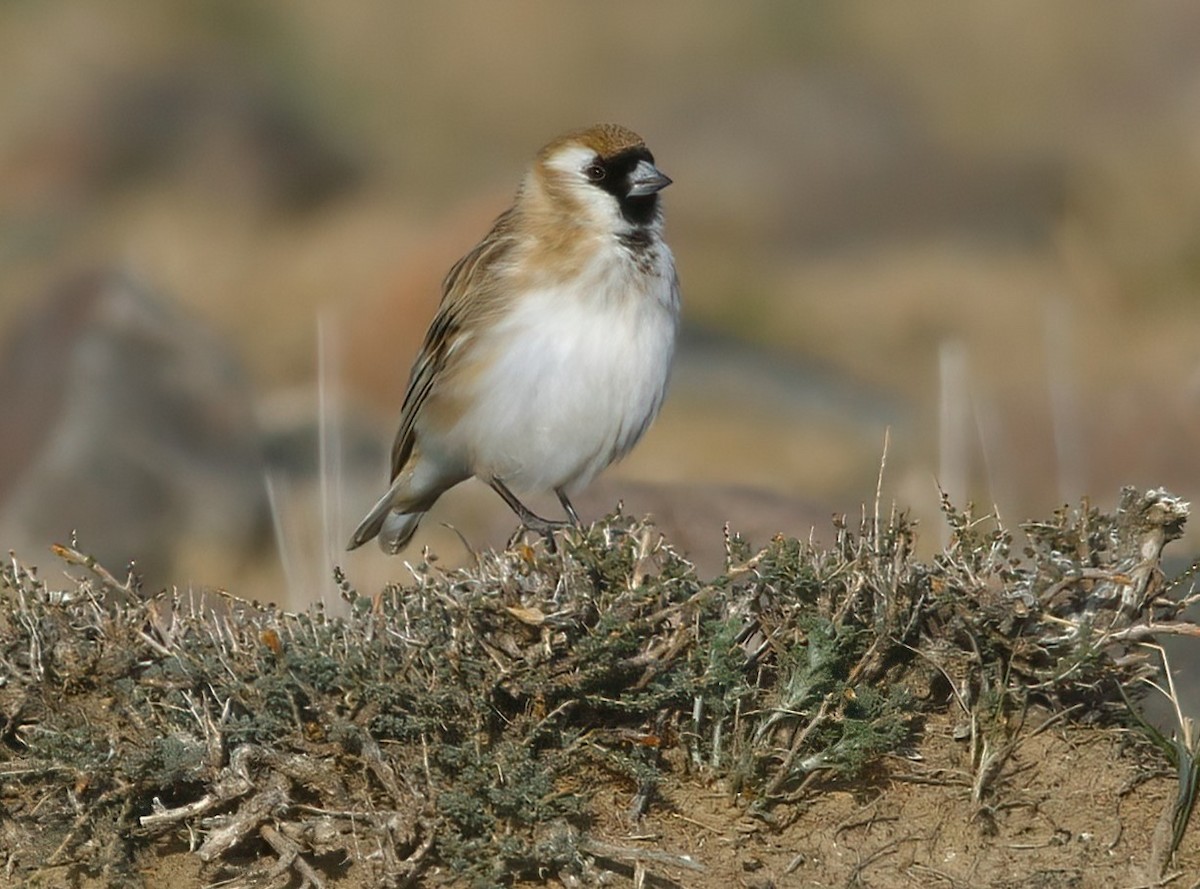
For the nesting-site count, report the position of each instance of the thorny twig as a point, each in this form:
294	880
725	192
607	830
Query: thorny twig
379	734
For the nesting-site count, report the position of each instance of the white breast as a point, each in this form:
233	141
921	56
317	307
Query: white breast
577	374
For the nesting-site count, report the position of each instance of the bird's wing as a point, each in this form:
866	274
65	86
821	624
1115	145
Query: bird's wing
468	291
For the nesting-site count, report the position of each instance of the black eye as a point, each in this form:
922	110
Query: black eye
594	172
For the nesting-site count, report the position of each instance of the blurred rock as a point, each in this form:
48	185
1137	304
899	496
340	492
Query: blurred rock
861	168
222	124
230	123
124	421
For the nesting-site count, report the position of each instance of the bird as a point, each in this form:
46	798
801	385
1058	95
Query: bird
550	351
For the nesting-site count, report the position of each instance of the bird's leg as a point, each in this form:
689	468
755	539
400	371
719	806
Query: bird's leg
566	504
528	517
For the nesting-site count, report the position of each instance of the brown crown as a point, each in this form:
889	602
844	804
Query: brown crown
606	139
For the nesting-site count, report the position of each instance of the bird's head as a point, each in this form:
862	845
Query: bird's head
604	174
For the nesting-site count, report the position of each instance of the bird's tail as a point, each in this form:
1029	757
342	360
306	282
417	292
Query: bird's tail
393	527
398	529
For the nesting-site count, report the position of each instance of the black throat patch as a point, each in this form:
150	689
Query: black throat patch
638	211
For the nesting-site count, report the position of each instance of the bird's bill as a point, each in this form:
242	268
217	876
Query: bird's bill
646	179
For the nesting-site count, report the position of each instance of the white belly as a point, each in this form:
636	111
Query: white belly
574	382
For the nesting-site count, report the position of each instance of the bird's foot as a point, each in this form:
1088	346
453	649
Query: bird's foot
531	521
544	528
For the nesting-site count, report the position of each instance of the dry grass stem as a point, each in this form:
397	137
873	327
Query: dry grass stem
458	721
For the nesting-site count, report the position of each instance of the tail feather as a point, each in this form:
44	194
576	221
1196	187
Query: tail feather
395	515
397	530
370	527
392	526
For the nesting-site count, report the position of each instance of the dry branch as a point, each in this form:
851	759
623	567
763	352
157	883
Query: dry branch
448	721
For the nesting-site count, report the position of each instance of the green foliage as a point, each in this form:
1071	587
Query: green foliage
168	763
458	719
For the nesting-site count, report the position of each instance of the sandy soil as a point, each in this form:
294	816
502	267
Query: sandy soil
1075	807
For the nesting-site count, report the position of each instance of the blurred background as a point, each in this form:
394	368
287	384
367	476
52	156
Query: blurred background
976	226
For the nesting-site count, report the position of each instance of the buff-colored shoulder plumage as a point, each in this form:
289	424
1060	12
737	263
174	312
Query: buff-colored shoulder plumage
606	139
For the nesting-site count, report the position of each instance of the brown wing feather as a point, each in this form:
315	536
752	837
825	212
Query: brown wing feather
468	290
